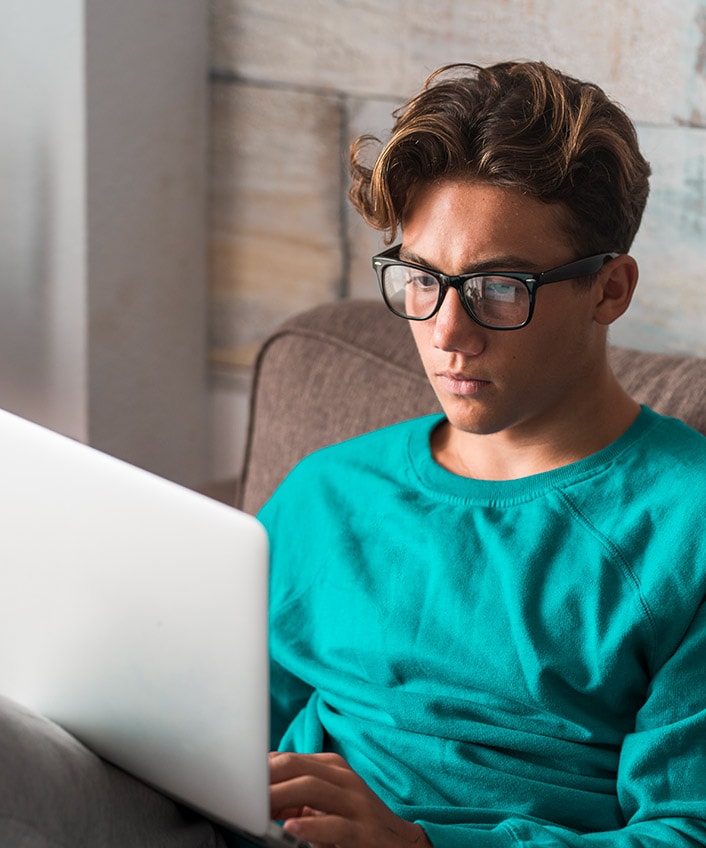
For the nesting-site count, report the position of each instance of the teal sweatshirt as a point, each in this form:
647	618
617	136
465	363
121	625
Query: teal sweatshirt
516	663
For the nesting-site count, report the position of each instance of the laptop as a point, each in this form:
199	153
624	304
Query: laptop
135	616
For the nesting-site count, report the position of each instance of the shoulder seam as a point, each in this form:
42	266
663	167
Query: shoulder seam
617	555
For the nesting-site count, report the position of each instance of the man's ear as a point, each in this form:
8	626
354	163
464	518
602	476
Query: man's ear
614	289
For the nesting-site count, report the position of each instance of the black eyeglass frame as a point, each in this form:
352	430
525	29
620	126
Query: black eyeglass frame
531	281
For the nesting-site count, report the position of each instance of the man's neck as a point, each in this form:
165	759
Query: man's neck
528	449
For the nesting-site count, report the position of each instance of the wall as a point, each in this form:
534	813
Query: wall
146	132
102	225
42	214
293	83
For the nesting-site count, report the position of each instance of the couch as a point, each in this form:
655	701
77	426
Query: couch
343	368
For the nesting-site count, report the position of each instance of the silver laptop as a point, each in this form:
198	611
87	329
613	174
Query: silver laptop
135	616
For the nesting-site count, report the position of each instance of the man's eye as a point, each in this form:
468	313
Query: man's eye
421	282
500	292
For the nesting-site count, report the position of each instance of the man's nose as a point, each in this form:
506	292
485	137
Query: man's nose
455	330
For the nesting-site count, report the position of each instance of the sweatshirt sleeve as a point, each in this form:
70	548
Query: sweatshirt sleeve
661	781
288	693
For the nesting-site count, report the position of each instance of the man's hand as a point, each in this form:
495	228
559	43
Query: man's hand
323	801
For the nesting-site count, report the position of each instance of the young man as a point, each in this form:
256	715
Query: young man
488	627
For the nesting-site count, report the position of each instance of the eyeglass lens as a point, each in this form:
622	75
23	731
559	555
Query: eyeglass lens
494	300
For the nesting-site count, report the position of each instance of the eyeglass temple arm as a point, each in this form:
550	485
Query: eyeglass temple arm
581	268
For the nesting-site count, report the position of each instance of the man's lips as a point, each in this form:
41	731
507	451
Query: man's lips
461	384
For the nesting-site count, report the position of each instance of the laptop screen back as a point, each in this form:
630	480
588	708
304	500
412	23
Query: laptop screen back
135	616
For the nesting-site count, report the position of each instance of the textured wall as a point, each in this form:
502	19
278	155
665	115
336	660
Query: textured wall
293	82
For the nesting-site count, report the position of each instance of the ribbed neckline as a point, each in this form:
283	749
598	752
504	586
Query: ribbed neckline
449	486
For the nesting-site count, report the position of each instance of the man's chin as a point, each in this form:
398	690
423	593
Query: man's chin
472	424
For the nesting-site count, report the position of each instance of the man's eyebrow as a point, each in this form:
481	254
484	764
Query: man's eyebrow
508	262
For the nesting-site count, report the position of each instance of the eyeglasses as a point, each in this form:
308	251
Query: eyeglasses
497	300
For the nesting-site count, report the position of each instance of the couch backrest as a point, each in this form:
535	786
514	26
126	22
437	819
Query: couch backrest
345	368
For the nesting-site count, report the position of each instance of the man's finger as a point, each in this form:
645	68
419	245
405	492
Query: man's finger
320	829
310	791
286	766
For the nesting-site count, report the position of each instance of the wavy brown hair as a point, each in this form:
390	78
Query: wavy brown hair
518	125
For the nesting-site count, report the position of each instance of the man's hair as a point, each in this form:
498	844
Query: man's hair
517	125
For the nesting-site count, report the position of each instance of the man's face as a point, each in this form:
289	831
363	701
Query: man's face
489	381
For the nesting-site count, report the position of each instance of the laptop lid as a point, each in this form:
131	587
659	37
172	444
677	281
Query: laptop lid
135	616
